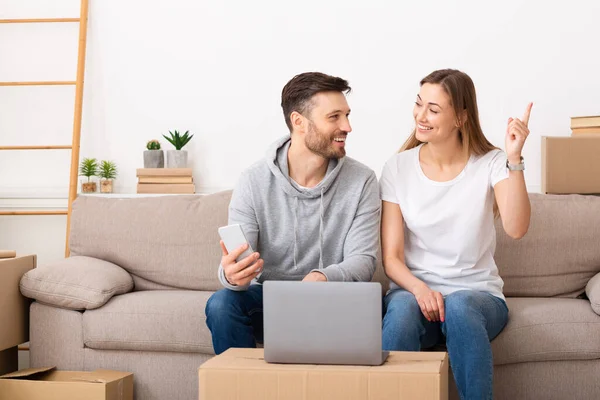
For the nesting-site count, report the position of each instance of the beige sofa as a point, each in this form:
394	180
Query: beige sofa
168	247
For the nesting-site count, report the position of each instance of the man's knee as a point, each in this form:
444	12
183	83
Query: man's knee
222	302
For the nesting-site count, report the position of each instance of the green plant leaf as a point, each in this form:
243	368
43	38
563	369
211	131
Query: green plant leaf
108	169
178	140
88	167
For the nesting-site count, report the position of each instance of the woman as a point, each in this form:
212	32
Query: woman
440	195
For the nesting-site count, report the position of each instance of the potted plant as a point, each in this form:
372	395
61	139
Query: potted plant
88	168
108	172
177	158
153	156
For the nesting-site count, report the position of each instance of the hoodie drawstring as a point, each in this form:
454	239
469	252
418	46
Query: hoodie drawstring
295	230
321	233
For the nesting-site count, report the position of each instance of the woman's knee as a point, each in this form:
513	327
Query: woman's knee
461	302
402	306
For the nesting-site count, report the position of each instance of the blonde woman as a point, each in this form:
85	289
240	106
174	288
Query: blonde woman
440	195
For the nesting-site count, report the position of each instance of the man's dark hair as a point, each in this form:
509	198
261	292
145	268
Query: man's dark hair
297	93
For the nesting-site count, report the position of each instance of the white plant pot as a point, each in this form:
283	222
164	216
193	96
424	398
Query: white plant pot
176	159
154	159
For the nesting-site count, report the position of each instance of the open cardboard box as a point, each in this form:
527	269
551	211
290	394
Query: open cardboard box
50	384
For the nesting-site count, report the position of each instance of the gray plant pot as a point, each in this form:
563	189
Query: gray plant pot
154	159
176	159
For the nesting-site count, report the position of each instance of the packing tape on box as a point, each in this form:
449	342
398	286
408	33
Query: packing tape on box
8	254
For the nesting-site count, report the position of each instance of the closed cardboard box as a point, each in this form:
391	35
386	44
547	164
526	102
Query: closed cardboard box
242	374
47	383
571	164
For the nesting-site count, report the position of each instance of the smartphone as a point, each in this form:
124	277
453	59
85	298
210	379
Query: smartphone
233	237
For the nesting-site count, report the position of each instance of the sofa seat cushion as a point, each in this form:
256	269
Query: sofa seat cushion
152	320
548	329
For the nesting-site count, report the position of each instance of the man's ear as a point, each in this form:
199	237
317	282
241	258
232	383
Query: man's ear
298	122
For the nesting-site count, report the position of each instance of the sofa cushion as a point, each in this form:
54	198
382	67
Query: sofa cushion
592	291
550	329
559	254
154	320
76	283
168	240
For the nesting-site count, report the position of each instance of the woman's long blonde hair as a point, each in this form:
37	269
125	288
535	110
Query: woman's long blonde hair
461	90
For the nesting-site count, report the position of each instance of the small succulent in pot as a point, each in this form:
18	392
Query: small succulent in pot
88	168
108	172
153	156
177	158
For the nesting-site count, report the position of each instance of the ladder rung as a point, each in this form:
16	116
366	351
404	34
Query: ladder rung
34	212
35	147
36	20
23	347
38	83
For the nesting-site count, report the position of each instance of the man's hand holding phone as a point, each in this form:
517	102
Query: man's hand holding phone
242	272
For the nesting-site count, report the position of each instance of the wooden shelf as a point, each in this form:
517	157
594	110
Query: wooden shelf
38	83
59	147
34	212
36	20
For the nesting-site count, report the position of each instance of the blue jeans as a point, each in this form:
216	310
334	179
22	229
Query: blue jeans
235	319
472	320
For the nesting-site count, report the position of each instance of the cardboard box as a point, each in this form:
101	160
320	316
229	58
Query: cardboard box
9	360
242	374
14	307
571	164
48	383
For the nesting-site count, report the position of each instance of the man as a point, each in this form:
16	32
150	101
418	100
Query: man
309	212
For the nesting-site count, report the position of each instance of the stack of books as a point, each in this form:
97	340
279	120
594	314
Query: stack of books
165	180
585	125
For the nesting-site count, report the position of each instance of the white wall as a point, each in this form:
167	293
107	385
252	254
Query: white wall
217	68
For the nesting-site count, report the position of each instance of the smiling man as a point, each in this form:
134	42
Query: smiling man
308	211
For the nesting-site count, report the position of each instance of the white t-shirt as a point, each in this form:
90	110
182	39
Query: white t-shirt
449	234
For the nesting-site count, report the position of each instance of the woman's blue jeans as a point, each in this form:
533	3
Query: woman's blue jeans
472	320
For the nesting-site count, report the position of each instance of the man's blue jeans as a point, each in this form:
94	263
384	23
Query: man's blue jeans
235	319
472	320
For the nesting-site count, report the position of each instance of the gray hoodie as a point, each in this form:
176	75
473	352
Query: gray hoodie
332	228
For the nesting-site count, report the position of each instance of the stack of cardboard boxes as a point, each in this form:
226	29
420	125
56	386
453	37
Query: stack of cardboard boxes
165	180
571	164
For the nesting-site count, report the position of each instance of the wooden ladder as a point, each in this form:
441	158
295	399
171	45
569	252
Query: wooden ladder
74	146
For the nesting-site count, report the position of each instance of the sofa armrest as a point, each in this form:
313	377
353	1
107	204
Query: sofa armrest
76	283
592	290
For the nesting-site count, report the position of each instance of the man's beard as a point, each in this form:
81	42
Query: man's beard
321	144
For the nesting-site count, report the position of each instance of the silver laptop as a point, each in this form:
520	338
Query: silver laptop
322	322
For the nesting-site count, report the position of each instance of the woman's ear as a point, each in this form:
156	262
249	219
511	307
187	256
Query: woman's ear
461	119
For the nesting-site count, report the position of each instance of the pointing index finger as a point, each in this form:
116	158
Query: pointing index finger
527	114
